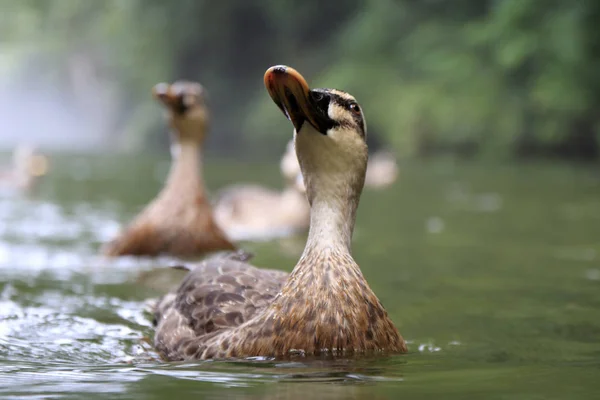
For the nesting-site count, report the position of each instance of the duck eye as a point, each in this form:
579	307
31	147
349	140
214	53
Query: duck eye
354	108
317	96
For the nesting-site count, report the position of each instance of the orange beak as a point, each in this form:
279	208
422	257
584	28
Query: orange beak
291	93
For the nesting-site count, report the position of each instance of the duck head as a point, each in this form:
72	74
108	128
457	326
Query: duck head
330	134
186	105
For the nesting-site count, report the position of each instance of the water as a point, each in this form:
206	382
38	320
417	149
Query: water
491	273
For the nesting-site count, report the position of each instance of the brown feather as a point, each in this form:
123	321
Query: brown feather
180	220
171	226
228	309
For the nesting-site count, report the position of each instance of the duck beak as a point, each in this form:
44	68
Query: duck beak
162	91
171	97
291	93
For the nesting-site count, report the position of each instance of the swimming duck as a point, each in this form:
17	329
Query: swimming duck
382	169
254	212
225	308
179	221
28	166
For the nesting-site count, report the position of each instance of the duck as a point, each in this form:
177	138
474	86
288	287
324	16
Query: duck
382	169
225	308
253	212
28	167
179	221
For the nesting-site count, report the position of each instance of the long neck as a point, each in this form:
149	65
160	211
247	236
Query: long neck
326	297
186	167
333	179
332	219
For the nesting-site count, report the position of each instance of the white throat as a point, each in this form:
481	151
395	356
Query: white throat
334	175
185	170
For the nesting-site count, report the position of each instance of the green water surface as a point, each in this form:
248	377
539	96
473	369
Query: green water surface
491	273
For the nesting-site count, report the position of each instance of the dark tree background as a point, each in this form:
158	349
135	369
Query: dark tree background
486	78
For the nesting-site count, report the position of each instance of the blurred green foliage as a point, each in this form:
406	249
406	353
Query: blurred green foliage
493	78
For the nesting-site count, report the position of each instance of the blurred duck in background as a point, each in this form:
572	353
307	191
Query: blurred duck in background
254	212
28	167
179	221
249	212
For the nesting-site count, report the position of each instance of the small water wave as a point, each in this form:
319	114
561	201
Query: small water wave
69	328
73	322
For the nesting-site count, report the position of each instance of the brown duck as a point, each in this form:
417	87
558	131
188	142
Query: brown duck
255	212
227	308
179	221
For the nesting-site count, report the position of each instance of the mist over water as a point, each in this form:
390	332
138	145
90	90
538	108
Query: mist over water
77	115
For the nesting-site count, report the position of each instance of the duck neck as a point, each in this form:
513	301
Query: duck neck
326	283
186	167
331	221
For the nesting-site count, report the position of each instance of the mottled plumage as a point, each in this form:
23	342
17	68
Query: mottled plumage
227	308
179	221
218	294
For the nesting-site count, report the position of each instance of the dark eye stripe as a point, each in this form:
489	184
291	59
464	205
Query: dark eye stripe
345	103
335	97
